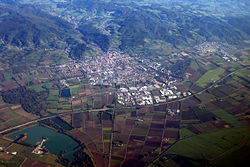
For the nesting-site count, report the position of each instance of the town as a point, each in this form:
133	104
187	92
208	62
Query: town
138	80
134	79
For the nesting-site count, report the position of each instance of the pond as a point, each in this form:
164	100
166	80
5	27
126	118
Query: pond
65	92
56	143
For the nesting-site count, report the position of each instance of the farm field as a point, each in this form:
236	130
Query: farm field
137	136
210	77
130	83
228	143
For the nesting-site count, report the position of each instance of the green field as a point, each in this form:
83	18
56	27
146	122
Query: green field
244	74
139	132
194	65
3	106
106	129
37	88
184	132
204	96
168	163
106	137
53	98
227	117
236	157
210	76
53	92
210	145
74	86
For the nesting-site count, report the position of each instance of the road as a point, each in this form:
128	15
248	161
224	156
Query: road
106	109
215	83
48	117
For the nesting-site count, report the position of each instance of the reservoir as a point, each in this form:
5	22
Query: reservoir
56	143
65	92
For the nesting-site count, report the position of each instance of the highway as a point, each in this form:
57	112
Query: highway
106	109
48	117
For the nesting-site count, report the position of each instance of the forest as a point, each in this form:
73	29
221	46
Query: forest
31	101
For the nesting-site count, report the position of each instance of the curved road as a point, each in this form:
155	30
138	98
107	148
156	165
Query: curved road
93	110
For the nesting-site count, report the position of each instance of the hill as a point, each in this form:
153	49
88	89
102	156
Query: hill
30	37
144	26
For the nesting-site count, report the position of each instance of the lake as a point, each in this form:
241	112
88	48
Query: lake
65	92
56	141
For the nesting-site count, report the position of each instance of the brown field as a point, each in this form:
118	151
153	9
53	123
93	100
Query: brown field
158	117
4	109
196	88
77	120
107	124
26	114
205	127
190	70
160	107
98	157
191	102
137	138
226	89
129	122
110	99
220	124
188	115
66	103
153	144
6	118
216	92
194	77
155	132
172	118
165	145
76	101
210	107
182	88
171	134
194	130
174	106
91	146
173	124
79	106
129	162
5	156
206	116
157	125
98	104
223	104
9	85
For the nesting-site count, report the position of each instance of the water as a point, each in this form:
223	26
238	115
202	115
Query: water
56	143
65	92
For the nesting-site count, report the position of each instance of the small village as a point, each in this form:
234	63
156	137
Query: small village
218	49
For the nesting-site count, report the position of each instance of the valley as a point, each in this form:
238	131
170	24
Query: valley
126	83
